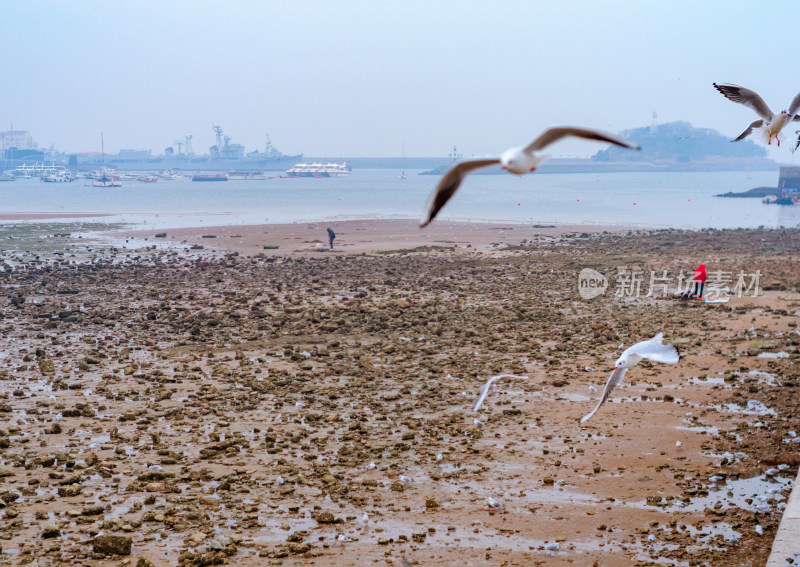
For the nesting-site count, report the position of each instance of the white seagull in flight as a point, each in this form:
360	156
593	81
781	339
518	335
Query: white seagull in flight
771	123
489	382
652	350
519	160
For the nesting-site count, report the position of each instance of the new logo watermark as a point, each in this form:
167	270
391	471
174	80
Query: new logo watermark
654	283
591	283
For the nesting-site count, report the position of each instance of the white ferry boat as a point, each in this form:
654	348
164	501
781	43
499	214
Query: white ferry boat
30	170
329	169
62	176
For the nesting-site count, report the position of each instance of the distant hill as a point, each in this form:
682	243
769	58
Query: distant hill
675	146
682	143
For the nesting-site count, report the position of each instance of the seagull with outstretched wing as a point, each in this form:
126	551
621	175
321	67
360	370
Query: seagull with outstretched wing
771	123
653	350
519	160
489	382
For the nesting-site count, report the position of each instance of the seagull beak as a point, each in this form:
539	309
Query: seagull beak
614	368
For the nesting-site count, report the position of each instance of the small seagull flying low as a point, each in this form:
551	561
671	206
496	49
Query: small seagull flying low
519	160
771	123
489	382
652	350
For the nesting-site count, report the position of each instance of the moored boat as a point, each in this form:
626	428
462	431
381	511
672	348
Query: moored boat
170	174
62	176
246	175
106	182
147	178
210	177
29	170
329	169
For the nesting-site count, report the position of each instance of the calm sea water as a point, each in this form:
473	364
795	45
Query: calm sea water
682	200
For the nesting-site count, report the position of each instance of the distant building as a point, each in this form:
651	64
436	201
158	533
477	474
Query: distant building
135	155
20	139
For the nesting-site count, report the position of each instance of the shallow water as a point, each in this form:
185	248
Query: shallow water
683	200
735	493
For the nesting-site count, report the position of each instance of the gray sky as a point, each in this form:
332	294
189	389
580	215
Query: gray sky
364	78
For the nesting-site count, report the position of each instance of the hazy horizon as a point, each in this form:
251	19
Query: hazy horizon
358	78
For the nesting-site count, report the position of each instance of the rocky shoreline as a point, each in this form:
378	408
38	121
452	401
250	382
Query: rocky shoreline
756	192
199	407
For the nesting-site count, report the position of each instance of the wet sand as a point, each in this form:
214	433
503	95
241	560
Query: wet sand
42	216
360	236
250	405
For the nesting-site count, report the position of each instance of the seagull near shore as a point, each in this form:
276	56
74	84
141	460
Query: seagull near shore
489	382
770	124
653	350
519	160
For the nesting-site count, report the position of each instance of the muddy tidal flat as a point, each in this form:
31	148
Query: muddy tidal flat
249	406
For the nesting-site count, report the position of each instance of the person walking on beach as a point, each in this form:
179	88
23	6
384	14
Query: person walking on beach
331	236
699	281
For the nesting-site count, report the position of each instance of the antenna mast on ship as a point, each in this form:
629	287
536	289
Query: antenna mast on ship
218	133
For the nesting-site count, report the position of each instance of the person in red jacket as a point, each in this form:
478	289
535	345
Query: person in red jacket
699	278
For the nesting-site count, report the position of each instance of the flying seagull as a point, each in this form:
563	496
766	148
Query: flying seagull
652	350
514	160
771	123
489	382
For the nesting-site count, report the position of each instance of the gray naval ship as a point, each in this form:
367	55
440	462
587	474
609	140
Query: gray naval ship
223	156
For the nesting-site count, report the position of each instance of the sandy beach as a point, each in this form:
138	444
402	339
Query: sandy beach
362	236
247	405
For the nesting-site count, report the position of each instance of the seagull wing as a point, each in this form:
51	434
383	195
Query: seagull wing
656	351
555	134
795	104
450	183
743	135
484	391
489	382
613	381
744	96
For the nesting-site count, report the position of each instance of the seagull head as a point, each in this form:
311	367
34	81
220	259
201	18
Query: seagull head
516	160
622	362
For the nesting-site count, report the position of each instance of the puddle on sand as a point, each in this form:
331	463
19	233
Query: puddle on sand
736	493
753	407
780	354
479	536
707	536
708	429
711	380
763	377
